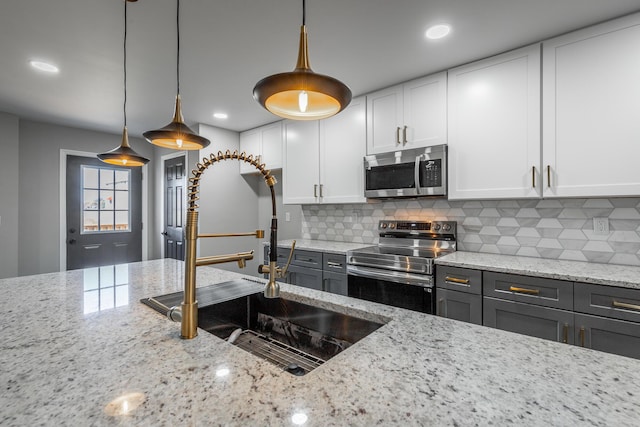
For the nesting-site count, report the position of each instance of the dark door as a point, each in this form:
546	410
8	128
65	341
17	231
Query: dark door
175	184
104	213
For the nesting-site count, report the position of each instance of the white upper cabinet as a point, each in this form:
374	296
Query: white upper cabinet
591	111
266	142
323	160
494	127
410	115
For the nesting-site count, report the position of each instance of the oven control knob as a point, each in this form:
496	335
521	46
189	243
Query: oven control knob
446	227
436	227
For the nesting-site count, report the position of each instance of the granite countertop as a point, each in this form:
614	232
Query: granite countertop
322	245
67	358
575	271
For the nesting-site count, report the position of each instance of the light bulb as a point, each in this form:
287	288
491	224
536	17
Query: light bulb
124	161
179	142
303	101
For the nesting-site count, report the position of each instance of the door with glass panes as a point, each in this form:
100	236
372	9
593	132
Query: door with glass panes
104	213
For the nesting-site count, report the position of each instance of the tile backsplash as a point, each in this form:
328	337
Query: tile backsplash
550	228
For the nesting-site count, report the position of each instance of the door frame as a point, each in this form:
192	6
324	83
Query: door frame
163	158
63	205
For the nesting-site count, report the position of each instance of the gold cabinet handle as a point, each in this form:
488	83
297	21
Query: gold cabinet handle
618	304
549	176
524	290
565	333
533	176
404	135
455	280
315	190
582	336
398	136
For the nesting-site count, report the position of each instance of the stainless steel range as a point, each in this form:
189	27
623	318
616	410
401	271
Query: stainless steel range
400	270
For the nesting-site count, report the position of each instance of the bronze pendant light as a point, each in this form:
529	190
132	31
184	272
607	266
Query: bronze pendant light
302	94
177	135
124	155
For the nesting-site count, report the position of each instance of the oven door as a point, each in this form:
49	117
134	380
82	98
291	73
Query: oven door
404	290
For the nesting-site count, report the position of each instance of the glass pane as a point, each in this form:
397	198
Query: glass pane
122	220
90	177
122	180
106	179
106	298
122	200
106	200
91	302
90	279
106	221
90	221
90	200
122	295
106	276
122	274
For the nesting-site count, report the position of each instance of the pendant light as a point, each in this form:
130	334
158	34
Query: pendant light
124	155
302	94
177	135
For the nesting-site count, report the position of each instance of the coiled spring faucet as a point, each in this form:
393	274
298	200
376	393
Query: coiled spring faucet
187	313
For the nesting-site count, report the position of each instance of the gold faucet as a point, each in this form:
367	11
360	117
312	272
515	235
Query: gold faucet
187	313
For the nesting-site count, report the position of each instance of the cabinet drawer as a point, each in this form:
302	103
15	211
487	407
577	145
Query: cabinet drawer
531	290
456	305
334	262
609	335
306	258
459	279
607	301
542	322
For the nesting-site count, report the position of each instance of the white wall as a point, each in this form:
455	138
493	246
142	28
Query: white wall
39	202
9	195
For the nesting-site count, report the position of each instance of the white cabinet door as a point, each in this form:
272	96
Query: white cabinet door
301	165
272	145
384	120
425	112
591	122
343	141
494	127
250	143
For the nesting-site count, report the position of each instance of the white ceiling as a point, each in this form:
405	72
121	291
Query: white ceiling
227	46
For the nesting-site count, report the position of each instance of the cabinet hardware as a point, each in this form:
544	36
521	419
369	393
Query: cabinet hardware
524	290
533	176
625	305
334	264
398	136
565	333
549	176
404	135
581	336
321	190
440	301
315	190
455	280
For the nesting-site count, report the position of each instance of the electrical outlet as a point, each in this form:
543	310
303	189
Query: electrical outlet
601	226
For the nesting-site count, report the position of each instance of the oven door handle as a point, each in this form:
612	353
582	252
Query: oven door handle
425	281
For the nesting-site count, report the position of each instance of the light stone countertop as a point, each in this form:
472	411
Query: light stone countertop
575	271
322	245
62	366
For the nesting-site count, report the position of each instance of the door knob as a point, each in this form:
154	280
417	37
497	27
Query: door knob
72	241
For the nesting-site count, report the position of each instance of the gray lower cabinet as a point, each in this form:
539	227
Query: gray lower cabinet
527	319
608	335
459	306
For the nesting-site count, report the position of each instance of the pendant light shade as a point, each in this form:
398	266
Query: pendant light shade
302	94
124	155
177	135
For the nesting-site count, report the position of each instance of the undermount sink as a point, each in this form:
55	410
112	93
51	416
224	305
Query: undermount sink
295	336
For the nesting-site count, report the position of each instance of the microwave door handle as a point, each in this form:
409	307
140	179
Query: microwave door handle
416	173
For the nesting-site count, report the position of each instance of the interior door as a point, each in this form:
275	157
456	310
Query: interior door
175	184
104	213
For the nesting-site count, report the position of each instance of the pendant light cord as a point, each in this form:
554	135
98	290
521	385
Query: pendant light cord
124	107
178	49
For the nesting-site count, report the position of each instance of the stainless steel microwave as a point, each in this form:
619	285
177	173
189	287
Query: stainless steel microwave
408	173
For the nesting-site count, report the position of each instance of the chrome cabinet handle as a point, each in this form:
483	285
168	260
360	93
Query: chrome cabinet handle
455	280
618	304
404	135
524	290
398	141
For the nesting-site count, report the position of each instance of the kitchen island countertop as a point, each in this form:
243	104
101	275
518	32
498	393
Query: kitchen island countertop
65	357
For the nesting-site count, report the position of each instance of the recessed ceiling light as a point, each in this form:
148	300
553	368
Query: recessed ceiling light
220	115
438	31
44	66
